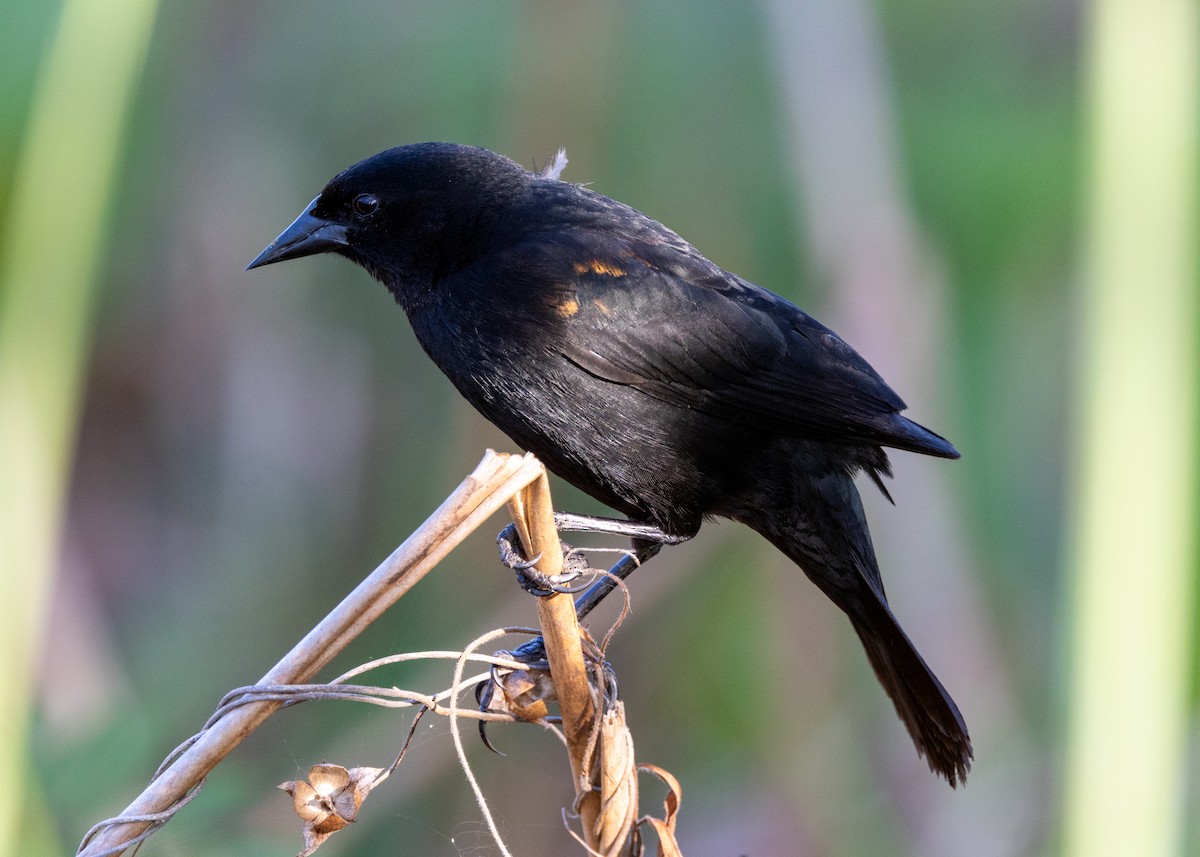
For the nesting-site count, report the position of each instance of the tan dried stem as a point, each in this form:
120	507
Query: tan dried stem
496	479
533	514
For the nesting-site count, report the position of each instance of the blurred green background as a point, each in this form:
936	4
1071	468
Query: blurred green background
238	449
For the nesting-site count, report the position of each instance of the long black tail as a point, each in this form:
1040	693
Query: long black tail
932	718
824	531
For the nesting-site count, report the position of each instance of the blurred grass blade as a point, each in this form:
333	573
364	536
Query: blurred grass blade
47	278
1133	551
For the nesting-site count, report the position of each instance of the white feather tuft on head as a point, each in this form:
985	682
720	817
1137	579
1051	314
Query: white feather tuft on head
553	170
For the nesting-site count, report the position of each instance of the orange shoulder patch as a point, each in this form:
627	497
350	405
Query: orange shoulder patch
596	266
567	308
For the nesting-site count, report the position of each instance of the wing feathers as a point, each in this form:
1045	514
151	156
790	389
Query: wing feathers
697	337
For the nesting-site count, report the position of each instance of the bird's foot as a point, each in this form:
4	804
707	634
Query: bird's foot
525	693
575	566
647	541
521	693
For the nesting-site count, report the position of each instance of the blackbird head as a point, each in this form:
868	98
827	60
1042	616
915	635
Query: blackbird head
407	215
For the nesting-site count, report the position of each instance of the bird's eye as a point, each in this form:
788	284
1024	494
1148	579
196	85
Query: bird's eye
366	203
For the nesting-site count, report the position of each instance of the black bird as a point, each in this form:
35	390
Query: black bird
642	373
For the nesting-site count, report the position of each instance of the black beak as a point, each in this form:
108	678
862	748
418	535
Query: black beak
309	234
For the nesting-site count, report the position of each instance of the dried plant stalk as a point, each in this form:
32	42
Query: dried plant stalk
533	514
496	479
618	783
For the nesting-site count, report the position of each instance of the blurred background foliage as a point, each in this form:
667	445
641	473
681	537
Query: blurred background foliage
250	444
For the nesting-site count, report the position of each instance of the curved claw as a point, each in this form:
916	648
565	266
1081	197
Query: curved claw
483	698
524	564
487	742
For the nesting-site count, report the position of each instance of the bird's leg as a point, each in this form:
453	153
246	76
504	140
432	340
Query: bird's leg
647	541
615	527
621	569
